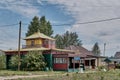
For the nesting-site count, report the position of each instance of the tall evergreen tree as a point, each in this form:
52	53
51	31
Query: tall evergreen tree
33	26
59	41
96	49
45	26
67	39
41	24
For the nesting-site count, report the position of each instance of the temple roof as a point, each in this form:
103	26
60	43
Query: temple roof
39	49
38	35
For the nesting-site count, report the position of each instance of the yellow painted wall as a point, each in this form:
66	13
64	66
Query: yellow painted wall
37	41
28	42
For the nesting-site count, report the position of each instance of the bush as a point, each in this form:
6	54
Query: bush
2	61
14	62
118	66
33	60
101	67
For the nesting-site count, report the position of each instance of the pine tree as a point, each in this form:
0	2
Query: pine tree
33	27
67	39
41	25
96	49
45	26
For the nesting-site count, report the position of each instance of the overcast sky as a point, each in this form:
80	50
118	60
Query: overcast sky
64	12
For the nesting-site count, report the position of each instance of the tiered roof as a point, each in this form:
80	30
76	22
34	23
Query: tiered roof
38	35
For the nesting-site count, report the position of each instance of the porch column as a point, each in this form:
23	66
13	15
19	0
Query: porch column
68	63
73	65
90	64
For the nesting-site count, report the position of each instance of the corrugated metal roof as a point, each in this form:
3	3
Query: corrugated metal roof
38	35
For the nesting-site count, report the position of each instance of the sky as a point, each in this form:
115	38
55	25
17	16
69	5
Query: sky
58	12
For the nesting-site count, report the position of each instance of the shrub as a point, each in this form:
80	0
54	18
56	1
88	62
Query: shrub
101	67
2	61
14	62
118	66
34	60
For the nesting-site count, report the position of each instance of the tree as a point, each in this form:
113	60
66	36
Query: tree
96	49
41	25
59	41
33	26
34	60
67	39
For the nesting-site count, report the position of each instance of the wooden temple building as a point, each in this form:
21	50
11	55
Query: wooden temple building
57	59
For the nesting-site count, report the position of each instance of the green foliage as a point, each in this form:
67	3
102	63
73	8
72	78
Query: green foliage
2	61
34	60
118	66
41	25
33	26
14	62
67	39
96	49
45	26
100	68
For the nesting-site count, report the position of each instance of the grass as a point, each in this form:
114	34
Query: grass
99	75
12	73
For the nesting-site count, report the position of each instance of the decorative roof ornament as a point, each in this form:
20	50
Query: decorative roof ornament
38	31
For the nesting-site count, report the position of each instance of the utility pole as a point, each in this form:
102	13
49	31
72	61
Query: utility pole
19	60
104	48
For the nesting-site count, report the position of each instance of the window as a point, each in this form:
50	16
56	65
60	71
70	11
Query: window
32	43
60	60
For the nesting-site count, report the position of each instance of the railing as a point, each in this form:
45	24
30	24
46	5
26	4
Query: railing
32	46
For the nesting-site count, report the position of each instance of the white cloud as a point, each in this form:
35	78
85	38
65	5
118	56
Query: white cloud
82	11
22	7
91	10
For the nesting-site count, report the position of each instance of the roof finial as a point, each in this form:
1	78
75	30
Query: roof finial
38	31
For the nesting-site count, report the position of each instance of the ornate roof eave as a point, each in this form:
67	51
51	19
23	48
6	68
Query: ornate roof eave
38	35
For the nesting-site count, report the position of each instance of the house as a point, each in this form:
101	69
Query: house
70	58
89	60
116	58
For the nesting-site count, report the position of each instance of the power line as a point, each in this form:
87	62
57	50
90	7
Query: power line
8	25
89	22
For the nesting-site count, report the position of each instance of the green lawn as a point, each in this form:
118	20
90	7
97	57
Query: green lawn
12	73
99	75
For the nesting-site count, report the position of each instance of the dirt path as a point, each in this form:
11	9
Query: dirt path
17	77
32	76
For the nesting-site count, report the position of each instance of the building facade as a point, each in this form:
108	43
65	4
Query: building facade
57	59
